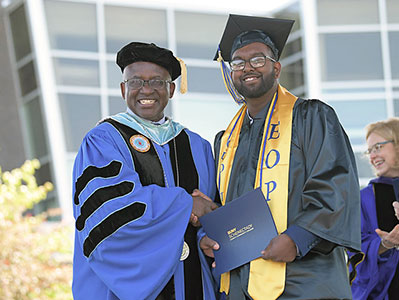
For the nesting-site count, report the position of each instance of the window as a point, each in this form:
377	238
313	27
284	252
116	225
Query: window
27	78
393	11
114	75
351	56
205	80
394	50
78	72
116	105
198	35
80	113
71	25
206	116
349	111
347	12
20	34
291	76
35	129
127	24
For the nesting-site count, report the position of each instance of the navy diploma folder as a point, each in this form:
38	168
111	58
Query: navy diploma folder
242	228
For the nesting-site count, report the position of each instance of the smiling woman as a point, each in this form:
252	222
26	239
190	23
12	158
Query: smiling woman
378	274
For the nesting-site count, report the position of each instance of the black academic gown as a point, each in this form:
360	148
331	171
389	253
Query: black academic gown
323	198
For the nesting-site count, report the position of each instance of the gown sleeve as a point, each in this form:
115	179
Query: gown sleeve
131	235
328	202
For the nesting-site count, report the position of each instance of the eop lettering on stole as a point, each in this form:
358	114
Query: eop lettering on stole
271	185
272	158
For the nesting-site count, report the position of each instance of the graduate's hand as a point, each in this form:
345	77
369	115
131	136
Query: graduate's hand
280	249
396	208
388	239
208	245
197	192
201	206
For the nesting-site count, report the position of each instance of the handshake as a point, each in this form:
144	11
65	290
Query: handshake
202	205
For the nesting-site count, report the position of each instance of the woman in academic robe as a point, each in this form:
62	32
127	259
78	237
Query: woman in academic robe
378	274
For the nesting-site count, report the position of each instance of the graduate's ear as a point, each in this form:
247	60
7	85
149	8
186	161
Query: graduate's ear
172	87
277	69
123	90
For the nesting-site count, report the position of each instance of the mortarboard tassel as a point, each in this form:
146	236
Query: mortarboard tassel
183	79
228	82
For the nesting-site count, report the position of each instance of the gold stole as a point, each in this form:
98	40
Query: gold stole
266	278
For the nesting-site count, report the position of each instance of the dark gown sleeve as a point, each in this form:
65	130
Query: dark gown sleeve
324	190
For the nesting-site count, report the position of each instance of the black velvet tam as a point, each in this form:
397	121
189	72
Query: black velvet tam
136	51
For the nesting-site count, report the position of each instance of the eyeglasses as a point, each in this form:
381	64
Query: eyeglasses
137	83
255	62
376	147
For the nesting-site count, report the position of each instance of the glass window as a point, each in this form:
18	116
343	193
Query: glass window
20	33
396	107
126	24
370	111
291	48
116	105
198	35
114	75
291	12
346	12
36	136
27	78
80	113
78	72
351	56
393	11
71	25
205	80
205	117
394	50
291	76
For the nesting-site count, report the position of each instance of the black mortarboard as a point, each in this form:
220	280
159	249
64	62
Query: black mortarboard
137	51
243	30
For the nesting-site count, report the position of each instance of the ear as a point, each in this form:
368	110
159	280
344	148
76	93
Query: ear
172	87
123	90
277	69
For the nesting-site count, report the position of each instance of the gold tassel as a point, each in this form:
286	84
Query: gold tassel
183	79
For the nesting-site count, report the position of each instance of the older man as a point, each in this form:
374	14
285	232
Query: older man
298	153
134	176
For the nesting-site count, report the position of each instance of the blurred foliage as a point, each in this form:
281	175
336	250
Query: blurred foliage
35	255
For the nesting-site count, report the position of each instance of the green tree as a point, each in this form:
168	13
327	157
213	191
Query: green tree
35	255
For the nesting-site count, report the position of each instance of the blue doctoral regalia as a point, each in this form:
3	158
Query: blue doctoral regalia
129	236
375	272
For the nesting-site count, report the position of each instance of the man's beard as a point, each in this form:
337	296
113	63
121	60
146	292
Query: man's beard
266	84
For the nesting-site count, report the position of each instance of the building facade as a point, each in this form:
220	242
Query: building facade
62	77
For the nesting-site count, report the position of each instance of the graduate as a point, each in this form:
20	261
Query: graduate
298	153
378	274
135	194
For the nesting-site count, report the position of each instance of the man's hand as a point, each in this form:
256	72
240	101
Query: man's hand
208	245
202	205
396	208
280	249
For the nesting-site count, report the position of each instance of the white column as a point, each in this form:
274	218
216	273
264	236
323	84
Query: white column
311	48
50	105
386	59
